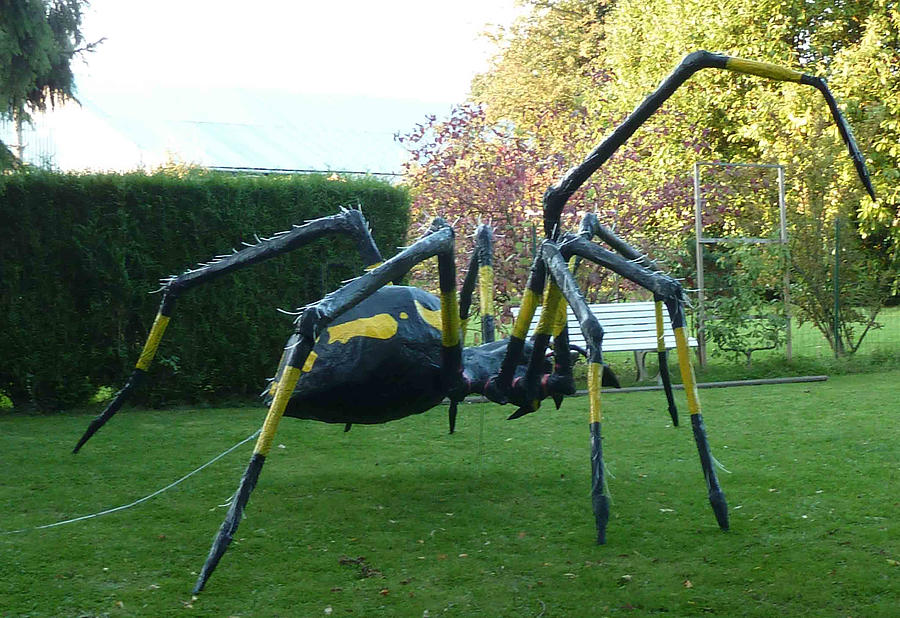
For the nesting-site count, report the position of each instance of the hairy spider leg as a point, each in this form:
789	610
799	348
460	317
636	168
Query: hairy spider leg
563	281
438	242
348	221
590	227
480	272
673	295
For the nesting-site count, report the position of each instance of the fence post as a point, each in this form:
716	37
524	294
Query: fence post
837	295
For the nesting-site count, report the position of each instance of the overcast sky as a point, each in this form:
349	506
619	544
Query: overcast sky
412	49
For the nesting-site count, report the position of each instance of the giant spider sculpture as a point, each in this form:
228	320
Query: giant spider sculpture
371	352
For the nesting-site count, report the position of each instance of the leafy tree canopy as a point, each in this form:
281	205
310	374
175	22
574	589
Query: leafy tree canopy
569	71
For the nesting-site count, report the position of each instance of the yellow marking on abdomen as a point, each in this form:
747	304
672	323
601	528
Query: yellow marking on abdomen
432	316
381	326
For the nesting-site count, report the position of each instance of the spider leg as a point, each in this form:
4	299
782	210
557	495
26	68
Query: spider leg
670	291
498	387
349	222
562	358
553	300
563	281
590	227
481	268
437	242
555	197
480	271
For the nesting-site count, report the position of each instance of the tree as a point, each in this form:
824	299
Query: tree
867	76
468	169
746	315
543	62
570	71
38	41
854	43
526	125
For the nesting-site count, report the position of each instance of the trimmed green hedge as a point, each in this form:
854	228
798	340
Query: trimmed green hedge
80	253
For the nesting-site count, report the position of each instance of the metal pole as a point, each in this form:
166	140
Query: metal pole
837	295
782	211
698	232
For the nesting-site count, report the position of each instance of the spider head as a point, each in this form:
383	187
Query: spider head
482	363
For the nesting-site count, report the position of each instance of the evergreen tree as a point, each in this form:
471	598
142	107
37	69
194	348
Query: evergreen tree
38	41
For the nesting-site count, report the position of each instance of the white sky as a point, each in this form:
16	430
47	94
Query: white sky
411	49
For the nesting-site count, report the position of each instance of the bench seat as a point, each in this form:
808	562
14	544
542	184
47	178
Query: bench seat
627	327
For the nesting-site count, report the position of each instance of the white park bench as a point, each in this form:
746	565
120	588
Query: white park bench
627	327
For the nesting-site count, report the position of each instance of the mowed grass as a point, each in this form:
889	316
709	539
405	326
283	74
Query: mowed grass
405	520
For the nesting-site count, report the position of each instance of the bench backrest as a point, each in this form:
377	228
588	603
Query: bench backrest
626	326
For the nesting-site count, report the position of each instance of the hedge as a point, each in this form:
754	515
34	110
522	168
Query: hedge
81	252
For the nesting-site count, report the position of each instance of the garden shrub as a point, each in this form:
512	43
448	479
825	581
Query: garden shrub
81	253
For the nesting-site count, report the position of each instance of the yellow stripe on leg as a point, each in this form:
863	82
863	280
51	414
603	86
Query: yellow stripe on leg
276	410
561	319
153	339
763	69
486	289
449	319
593	383
660	331
526	312
549	313
687	371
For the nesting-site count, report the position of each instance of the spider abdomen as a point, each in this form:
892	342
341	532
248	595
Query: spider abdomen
379	361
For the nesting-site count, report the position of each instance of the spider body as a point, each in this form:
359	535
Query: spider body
381	361
371	352
378	362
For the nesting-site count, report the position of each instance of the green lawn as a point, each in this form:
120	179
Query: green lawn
405	520
880	351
